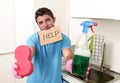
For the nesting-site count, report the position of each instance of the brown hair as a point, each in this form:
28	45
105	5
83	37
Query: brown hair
42	11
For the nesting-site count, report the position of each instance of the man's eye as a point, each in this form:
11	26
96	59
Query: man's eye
40	22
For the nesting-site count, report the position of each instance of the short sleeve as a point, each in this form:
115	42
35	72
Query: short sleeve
31	41
66	42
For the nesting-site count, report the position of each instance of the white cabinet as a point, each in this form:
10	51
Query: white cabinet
103	9
6	62
6	76
16	23
116	12
6	26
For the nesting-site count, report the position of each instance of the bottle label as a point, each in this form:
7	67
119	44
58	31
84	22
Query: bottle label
80	65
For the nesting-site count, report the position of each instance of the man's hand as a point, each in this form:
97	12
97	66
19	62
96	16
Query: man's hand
23	66
14	67
68	66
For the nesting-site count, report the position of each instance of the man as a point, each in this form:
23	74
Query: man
47	58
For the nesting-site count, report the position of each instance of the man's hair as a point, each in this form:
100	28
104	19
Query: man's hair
43	11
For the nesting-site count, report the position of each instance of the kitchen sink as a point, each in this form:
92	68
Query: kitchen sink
95	76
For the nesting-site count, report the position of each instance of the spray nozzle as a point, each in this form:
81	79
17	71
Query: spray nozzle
88	24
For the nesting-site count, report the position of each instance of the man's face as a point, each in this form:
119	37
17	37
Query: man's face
45	22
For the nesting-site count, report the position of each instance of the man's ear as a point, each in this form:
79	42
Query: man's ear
54	19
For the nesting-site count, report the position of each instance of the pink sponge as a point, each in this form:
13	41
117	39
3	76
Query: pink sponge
23	56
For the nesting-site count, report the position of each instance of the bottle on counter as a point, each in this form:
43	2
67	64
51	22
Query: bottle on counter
82	53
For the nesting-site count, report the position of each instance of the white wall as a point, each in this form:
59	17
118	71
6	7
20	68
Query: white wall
111	30
24	20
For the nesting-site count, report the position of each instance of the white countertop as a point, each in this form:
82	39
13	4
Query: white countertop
71	79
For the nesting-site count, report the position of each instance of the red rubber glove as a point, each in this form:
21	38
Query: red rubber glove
68	66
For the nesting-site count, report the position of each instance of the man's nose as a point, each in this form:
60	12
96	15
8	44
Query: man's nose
45	24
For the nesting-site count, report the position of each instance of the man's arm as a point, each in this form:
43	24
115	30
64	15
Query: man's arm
67	54
32	49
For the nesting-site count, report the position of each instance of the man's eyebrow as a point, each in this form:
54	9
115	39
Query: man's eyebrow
47	19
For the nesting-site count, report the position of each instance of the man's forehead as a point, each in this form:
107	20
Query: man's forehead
44	17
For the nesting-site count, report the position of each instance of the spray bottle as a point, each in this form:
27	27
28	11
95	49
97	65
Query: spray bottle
82	52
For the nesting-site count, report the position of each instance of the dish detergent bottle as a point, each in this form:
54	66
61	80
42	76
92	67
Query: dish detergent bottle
82	53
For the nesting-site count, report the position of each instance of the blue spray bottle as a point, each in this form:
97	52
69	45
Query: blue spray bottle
82	52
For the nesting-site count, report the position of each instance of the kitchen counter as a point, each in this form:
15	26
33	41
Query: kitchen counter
71	79
115	75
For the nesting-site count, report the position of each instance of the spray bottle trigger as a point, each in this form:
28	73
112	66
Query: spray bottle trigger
95	24
91	29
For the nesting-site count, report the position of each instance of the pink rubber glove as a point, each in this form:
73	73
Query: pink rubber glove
68	66
14	67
